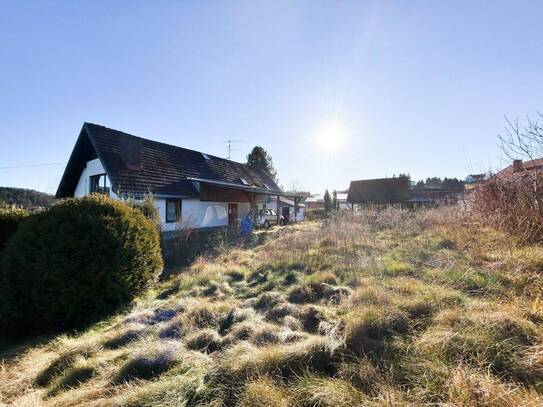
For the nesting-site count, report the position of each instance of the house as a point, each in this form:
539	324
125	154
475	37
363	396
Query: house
387	192
474	179
317	201
379	193
190	188
519	168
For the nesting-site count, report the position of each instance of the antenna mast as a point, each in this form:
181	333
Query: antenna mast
229	146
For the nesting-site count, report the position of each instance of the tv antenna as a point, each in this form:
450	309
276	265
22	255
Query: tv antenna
229	146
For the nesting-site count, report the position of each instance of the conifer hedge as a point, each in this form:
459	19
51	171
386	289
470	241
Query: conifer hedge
74	263
9	221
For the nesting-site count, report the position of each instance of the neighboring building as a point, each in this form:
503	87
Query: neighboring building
191	189
317	201
379	193
474	179
398	192
521	168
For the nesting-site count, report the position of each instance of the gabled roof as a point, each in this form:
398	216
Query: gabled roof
383	190
527	167
137	166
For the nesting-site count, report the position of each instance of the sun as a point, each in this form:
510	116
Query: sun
331	136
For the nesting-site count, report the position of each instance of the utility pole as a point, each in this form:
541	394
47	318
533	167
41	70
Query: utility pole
229	146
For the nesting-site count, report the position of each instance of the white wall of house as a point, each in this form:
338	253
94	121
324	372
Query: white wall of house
199	214
94	167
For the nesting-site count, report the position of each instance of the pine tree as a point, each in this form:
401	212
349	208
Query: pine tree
260	158
327	202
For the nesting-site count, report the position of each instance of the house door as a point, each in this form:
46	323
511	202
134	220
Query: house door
232	214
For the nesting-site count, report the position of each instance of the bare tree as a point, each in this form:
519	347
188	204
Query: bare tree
524	142
514	202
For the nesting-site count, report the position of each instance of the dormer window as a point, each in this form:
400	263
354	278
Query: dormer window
98	184
206	157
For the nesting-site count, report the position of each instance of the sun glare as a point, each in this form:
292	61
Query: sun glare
331	137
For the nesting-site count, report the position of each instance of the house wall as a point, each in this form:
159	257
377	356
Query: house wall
198	214
93	167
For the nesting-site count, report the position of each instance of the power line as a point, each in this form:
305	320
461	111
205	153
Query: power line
30	165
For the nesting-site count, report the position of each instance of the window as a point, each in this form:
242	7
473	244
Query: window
98	184
173	210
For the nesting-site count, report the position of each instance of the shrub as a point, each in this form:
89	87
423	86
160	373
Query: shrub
315	214
78	261
512	205
148	207
9	221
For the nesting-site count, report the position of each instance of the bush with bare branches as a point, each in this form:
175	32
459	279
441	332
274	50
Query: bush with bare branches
513	201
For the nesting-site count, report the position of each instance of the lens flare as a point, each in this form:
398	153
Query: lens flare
331	137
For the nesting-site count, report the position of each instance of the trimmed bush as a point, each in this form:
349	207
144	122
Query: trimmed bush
9	221
74	263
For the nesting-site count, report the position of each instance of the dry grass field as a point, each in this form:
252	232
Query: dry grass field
387	309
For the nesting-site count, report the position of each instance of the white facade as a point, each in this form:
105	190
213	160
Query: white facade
200	214
194	213
93	167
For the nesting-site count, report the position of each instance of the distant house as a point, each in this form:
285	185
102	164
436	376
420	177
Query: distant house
521	168
379	193
474	179
317	201
398	192
190	188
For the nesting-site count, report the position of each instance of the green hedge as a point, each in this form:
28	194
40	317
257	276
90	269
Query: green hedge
74	263
9	221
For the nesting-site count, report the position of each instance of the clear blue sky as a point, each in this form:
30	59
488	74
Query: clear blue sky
416	87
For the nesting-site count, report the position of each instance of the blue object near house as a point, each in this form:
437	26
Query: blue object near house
246	227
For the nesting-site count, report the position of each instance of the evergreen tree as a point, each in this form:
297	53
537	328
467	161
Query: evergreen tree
327	202
335	203
260	158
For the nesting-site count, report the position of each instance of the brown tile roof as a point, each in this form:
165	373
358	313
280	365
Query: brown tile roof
137	166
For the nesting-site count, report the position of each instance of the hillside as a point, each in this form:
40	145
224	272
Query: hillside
25	198
377	310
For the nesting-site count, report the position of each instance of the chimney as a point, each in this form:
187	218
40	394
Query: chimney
517	166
